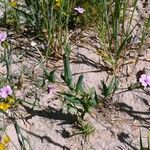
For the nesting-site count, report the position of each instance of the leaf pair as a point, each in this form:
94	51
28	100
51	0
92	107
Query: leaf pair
111	88
50	75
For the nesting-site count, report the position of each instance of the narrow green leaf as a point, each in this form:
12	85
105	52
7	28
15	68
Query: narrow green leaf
111	86
62	77
71	99
19	135
96	98
92	102
67	71
79	86
123	44
67	50
104	89
116	85
24	14
5	45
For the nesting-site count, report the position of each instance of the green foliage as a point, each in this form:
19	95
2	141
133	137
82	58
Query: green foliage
80	103
67	49
85	128
115	29
77	99
44	17
79	85
67	77
7	60
52	20
50	75
111	88
22	140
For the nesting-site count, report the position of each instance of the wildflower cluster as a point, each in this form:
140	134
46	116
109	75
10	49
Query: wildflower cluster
7	99
4	142
145	80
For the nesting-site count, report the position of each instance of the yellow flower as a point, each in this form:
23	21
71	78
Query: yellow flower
58	3
13	3
4	106
2	146
10	100
6	139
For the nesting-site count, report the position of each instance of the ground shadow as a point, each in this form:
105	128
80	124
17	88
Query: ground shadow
138	115
123	138
48	139
51	113
82	59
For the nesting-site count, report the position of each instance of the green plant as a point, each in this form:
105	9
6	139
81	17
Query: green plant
111	88
80	103
7	60
46	18
10	17
8	100
115	30
50	75
146	28
6	55
84	128
77	99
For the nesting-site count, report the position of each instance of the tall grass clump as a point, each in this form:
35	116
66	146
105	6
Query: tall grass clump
115	29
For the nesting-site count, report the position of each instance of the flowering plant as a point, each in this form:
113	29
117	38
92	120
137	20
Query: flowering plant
5	93
3	36
4	142
145	80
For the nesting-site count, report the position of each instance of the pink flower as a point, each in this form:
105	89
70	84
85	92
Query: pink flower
5	91
79	10
145	80
3	36
3	94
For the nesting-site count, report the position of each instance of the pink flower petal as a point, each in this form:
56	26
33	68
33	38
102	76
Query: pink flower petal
3	94
148	80
3	36
144	80
5	91
79	9
8	90
144	84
